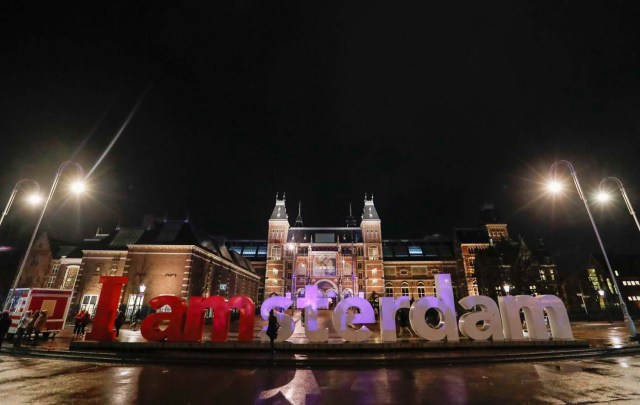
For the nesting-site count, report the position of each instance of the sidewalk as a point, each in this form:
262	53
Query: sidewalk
592	339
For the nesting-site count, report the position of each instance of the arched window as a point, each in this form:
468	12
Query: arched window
405	289
388	290
421	290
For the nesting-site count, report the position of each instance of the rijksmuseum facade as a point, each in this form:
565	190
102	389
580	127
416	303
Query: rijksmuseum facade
174	257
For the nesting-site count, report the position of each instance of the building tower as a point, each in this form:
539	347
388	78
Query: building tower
278	230
372	238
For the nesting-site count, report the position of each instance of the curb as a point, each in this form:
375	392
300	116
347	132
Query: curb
342	359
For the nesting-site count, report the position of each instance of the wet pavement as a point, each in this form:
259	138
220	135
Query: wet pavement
598	379
42	381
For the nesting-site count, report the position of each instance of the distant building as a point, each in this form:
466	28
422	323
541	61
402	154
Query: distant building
164	258
626	269
175	258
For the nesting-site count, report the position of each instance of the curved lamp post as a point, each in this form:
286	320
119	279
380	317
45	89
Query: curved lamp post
34	198
603	196
77	187
555	187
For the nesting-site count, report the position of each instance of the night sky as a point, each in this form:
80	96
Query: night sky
434	108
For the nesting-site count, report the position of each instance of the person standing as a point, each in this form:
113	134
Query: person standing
40	325
5	323
85	321
22	327
404	322
272	329
77	322
119	322
32	320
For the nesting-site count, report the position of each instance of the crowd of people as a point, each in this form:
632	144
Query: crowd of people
30	326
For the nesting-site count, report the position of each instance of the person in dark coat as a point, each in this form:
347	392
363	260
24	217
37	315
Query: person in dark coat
77	322
5	323
119	322
404	322
272	329
84	322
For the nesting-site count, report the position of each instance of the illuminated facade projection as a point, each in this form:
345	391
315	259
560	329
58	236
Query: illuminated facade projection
352	260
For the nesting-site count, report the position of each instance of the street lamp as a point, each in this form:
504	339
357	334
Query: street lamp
603	196
33	199
56	179
554	187
507	288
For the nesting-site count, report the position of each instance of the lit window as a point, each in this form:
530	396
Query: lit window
249	251
415	251
616	271
237	249
421	291
262	251
624	283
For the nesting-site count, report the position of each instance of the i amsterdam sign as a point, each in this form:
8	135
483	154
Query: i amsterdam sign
486	319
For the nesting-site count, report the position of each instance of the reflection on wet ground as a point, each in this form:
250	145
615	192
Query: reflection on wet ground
25	380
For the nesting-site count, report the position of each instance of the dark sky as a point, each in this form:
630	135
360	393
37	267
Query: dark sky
435	108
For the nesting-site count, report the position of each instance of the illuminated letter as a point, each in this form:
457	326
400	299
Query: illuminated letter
489	315
558	317
388	308
343	321
447	326
444	291
102	329
247	316
150	327
534	308
194	328
287	324
311	315
533	314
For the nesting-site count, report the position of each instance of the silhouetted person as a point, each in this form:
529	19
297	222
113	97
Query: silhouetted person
119	322
272	329
5	323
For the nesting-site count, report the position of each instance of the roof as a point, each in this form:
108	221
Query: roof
325	235
165	233
471	235
415	250
627	265
251	249
369	211
279	210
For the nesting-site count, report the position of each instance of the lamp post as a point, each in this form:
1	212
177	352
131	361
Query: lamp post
603	196
77	187
33	198
507	288
555	187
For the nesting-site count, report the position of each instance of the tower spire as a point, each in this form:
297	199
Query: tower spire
299	219
351	220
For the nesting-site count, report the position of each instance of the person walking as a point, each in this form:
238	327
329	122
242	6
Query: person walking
5	323
272	329
77	322
40	325
22	327
84	321
119	322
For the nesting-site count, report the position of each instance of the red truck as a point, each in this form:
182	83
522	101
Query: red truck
56	302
